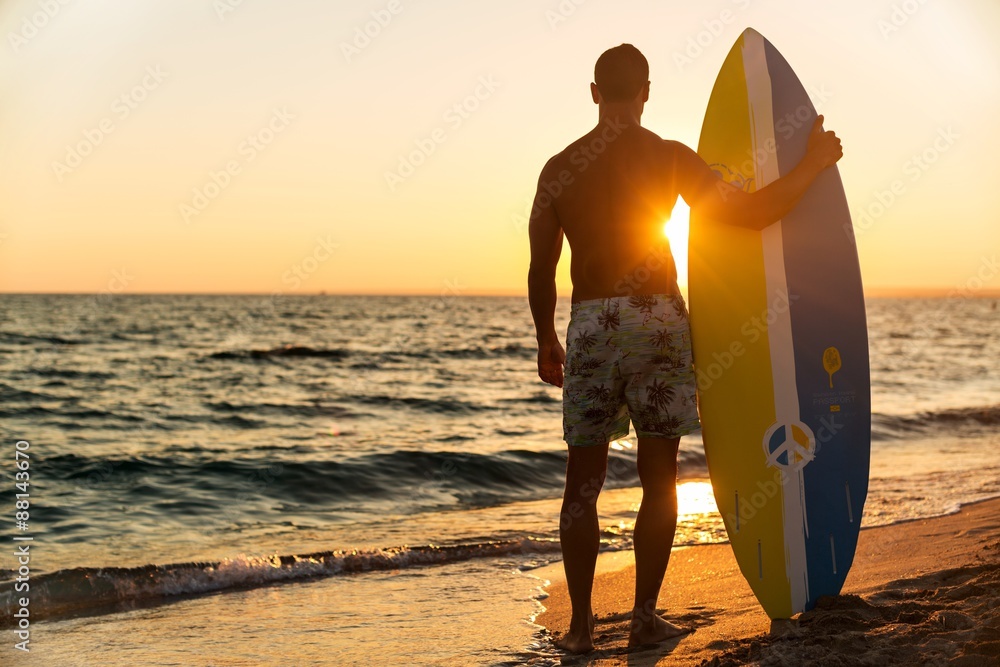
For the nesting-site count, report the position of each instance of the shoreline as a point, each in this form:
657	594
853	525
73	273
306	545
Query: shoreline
920	591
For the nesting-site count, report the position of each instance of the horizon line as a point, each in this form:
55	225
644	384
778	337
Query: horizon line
873	292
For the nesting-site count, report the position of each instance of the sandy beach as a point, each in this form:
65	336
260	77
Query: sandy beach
925	592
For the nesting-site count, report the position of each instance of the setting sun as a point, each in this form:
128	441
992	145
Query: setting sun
676	231
694	499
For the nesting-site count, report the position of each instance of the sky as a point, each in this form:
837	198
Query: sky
393	146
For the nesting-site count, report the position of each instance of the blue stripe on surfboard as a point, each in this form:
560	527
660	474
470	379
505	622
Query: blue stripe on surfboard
822	271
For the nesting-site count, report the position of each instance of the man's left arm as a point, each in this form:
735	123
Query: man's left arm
546	237
761	208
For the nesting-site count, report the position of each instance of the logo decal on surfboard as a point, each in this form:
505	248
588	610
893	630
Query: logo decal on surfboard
789	446
831	362
734	178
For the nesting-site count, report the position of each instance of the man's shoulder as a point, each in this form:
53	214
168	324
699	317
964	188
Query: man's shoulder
563	159
676	147
583	148
597	140
665	148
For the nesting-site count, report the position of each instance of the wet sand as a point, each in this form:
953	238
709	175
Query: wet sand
919	593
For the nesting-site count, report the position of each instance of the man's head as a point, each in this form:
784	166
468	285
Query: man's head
621	74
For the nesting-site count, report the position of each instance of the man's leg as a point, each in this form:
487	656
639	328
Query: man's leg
653	537
580	537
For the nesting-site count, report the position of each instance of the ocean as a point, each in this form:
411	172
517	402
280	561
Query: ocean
243	480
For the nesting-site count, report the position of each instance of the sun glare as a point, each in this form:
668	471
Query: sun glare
695	499
676	231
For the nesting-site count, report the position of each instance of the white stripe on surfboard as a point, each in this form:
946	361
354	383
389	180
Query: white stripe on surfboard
786	398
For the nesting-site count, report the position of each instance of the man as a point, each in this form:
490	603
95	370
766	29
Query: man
628	339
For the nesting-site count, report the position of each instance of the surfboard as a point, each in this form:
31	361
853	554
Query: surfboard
780	345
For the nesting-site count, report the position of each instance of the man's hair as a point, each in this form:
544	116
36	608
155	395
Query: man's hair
621	73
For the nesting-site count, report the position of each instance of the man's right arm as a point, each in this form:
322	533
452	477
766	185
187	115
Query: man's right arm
545	235
704	190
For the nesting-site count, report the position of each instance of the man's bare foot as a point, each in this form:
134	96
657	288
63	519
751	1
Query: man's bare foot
581	642
578	640
654	631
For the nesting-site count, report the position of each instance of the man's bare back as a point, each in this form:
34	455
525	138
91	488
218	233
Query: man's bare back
612	190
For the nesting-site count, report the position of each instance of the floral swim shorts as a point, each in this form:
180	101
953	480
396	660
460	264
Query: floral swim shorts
628	357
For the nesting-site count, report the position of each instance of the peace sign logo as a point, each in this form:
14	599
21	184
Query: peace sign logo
789	446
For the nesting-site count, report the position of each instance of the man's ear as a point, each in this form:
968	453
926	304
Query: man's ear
595	93
645	92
